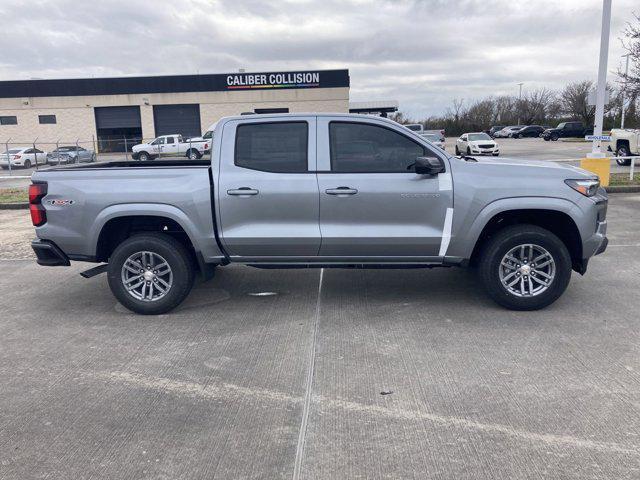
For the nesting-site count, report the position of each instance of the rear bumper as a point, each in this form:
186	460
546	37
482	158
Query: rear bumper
49	254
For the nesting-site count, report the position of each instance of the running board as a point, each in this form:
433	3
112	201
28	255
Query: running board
92	272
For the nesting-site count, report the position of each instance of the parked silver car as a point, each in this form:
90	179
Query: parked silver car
70	154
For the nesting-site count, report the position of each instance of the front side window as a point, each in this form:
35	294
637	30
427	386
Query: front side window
366	148
279	147
158	141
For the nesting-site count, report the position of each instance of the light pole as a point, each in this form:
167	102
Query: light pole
624	89
520	102
596	151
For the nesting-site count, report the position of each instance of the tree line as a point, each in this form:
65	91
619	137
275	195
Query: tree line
548	107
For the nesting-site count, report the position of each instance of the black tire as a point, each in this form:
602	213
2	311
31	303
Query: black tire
468	151
553	137
144	156
495	154
27	164
174	253
457	151
546	139
623	151
501	243
193	154
519	135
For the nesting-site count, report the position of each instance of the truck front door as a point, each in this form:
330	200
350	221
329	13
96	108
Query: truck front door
267	194
171	146
372	203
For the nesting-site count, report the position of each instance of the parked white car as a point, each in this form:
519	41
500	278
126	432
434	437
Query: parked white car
478	143
434	138
170	146
25	157
625	143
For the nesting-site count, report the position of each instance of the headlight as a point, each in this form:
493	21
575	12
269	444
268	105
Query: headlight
588	187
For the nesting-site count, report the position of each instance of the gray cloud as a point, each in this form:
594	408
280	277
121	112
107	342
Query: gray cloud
422	53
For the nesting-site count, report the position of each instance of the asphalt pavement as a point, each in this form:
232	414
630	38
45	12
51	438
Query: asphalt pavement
327	374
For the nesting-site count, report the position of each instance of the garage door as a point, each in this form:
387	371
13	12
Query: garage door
117	117
183	119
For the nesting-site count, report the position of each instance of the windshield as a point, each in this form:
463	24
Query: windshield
432	137
561	125
478	136
207	135
415	128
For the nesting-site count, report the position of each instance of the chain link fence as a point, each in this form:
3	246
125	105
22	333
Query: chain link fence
21	157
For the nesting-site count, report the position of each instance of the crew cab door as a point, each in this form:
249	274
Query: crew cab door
373	206
171	146
267	193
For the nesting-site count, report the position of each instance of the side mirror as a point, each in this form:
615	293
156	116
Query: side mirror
428	166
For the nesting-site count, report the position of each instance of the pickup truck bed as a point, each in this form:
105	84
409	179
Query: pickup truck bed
319	191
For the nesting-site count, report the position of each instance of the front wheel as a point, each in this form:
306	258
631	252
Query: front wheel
143	156
457	150
495	154
525	267
554	137
150	274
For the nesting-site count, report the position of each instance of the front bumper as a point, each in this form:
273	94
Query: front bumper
49	254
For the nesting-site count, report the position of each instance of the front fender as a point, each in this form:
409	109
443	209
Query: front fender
464	239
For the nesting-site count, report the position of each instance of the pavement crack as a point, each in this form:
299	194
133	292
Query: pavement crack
302	435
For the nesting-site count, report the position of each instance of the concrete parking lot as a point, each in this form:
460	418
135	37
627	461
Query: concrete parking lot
233	385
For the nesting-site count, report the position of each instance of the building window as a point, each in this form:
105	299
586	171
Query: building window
9	120
271	110
47	118
272	147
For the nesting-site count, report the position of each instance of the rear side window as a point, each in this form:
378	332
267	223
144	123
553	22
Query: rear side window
170	140
272	147
366	148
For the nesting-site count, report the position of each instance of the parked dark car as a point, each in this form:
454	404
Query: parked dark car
567	130
494	129
528	131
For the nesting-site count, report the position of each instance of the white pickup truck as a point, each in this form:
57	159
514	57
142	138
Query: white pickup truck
171	146
625	143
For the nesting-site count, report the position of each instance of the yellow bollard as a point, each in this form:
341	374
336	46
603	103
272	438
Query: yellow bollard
599	166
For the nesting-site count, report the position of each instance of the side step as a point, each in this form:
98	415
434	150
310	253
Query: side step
92	272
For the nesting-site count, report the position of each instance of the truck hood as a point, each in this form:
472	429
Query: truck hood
520	167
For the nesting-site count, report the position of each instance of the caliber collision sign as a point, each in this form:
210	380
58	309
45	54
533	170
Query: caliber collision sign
243	81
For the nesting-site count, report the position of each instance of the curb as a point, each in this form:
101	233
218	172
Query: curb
14	206
623	189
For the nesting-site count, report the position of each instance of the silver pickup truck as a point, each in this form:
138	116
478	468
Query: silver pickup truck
320	190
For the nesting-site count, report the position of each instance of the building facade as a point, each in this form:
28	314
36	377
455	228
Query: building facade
113	112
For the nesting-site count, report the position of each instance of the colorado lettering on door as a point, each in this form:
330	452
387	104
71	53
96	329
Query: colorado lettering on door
273	80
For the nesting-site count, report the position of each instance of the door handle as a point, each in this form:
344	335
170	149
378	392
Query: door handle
341	191
242	191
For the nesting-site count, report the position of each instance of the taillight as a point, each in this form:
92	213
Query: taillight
38	214
206	145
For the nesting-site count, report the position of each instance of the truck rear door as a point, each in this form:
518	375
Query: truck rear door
267	194
371	202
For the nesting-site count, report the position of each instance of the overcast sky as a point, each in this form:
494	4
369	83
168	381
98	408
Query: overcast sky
421	53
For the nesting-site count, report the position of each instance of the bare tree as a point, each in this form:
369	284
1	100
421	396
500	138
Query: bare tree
574	101
631	43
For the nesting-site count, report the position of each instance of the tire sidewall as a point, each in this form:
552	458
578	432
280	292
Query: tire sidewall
512	237
176	256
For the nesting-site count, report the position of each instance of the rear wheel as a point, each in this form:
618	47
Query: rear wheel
27	163
193	154
525	267
554	137
623	151
150	274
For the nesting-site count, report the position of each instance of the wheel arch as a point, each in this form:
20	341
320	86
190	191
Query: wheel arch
119	222
557	222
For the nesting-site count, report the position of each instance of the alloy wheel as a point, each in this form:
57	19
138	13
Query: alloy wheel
146	276
527	270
